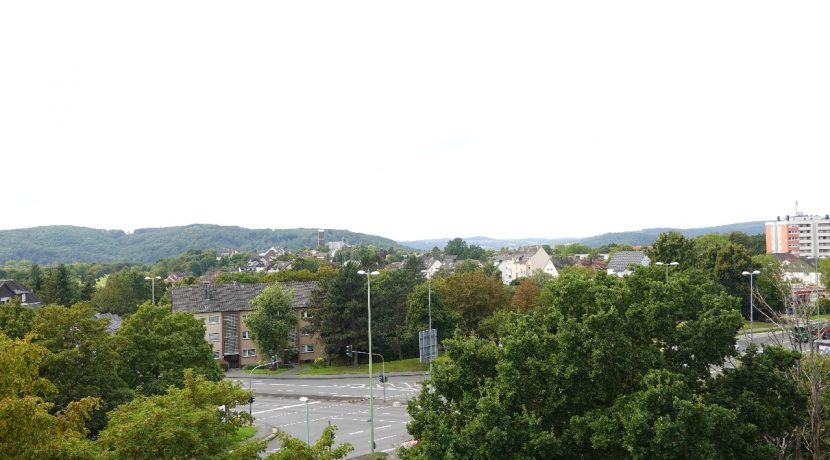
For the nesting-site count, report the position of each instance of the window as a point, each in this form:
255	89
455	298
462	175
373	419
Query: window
308	348
213	319
248	352
213	337
304	332
307	314
246	334
215	354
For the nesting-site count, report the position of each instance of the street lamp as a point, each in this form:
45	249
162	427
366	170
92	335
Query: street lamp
751	275
429	309
307	432
153	281
250	378
667	265
371	395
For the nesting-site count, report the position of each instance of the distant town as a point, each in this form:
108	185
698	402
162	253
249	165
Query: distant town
555	338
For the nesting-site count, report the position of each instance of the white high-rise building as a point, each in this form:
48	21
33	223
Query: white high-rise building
802	235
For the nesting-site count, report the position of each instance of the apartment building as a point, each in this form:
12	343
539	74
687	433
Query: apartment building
223	309
802	235
523	263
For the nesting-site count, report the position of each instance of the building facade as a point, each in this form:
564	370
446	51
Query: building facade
11	290
802	235
223	309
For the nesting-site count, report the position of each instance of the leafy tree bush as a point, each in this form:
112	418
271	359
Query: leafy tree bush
155	346
183	423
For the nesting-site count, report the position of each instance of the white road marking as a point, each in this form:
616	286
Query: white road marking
285	407
356	432
386	437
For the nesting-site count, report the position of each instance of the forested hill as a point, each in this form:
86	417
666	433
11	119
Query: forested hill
635	238
68	244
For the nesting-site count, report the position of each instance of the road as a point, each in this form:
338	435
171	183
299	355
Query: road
338	401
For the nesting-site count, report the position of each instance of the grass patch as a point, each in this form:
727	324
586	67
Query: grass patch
242	433
404	365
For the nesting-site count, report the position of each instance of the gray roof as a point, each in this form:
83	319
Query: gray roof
794	264
114	324
13	288
233	297
623	259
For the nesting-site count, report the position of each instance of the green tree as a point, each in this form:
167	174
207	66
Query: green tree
770	287
82	361
706	247
672	247
418	308
730	262
155	346
58	287
666	420
183	423
36	278
15	320
27	429
645	346
762	392
389	294
292	448
473	295
123	293
526	296
343	315
272	319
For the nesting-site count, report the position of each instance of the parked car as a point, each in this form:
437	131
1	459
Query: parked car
813	329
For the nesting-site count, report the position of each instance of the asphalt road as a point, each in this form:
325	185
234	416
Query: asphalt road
338	401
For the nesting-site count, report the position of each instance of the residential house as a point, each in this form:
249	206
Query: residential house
255	264
278	266
800	273
524	263
223	309
273	252
621	262
177	277
10	290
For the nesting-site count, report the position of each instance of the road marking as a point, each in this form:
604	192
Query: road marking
285	407
356	432
382	427
387	437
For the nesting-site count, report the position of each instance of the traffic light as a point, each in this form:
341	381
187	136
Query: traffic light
349	351
251	400
383	378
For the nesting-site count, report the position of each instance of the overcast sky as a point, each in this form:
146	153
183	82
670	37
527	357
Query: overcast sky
416	120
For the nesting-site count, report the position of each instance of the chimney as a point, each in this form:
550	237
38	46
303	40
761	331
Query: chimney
206	287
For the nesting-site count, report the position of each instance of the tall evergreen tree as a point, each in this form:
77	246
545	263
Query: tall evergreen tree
58	287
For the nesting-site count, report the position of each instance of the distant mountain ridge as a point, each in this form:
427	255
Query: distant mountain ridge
63	243
635	238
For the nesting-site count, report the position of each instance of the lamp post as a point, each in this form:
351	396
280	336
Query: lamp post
667	265
153	282
371	395
307	431
751	275
429	309
250	378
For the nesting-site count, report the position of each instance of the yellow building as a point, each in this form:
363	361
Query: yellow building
223	308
